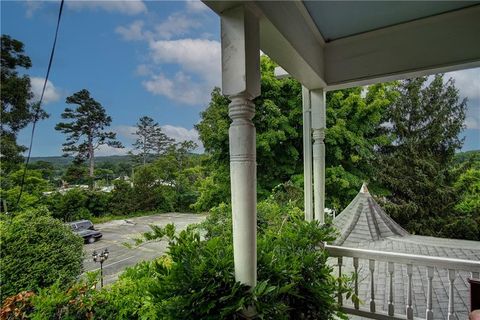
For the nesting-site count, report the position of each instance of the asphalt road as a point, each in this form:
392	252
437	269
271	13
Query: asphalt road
117	232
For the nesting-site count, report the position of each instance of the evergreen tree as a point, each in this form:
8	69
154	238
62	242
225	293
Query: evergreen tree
424	123
17	109
150	139
86	132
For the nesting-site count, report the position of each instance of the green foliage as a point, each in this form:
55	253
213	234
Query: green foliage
213	189
34	186
70	206
294	279
86	130
150	140
425	122
278	126
37	250
354	132
16	108
195	279
468	188
123	198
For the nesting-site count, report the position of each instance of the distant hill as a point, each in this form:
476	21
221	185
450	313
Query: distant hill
467	155
64	161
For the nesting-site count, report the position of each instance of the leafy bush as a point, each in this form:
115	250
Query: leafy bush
295	281
70	206
195	279
461	228
37	250
98	203
122	198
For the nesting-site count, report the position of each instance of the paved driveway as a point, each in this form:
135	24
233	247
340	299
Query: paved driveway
116	232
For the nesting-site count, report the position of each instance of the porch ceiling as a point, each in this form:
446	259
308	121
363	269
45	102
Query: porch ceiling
339	19
327	44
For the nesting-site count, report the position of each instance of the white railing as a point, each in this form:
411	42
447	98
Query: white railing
410	260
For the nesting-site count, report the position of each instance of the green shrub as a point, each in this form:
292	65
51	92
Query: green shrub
295	281
69	206
461	228
98	203
37	250
195	279
122	198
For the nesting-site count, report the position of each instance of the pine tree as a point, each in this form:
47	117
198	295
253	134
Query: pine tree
86	132
424	123
150	139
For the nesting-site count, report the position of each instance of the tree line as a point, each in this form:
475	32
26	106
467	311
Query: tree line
400	137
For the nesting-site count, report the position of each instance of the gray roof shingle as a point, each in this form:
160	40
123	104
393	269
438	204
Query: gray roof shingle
364	224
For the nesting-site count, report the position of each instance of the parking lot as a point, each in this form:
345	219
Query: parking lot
117	232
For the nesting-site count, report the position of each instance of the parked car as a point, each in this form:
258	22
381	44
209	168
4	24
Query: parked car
86	230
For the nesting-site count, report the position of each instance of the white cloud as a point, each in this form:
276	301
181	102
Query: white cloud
196	6
468	83
199	64
175	25
182	134
180	88
195	63
129	7
143	70
32	6
126	132
105	150
178	133
472	122
51	94
132	32
201	56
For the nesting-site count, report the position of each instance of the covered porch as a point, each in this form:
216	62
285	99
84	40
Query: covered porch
328	46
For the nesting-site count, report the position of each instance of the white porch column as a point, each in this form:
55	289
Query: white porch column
241	83
318	101
307	154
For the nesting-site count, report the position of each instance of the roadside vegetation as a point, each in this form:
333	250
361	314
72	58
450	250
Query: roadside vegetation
400	137
194	280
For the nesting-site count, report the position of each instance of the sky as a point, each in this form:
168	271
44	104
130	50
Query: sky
139	58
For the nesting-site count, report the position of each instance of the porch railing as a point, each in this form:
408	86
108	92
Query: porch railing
410	260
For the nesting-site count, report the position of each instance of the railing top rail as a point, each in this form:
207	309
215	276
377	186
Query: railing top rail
405	258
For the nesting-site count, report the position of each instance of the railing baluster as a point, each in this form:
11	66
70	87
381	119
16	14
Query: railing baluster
451	279
475	275
340	297
391	307
429	311
355	266
410	289
372	285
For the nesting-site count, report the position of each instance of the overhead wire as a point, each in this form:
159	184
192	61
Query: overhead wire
37	107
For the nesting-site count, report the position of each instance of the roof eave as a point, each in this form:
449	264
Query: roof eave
441	43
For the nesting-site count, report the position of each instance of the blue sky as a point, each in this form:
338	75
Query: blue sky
155	58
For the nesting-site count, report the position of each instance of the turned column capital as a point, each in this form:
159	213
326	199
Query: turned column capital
241	107
319	135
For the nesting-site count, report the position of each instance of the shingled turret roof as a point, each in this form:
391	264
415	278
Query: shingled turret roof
364	220
365	225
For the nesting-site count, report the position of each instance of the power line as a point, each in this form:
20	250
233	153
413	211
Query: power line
37	106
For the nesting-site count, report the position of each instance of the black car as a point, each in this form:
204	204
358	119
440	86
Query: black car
85	229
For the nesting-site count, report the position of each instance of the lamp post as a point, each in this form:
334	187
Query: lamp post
100	258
